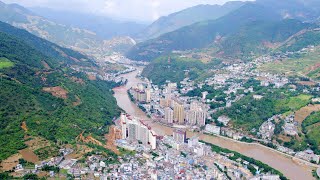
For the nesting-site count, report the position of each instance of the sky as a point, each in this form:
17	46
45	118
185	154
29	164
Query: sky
143	10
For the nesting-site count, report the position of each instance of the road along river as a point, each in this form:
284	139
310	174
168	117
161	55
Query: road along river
293	169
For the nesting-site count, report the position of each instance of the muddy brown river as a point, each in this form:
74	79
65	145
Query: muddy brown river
292	169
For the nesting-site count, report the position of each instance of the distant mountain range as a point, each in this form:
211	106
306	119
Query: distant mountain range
69	34
187	17
63	35
103	27
254	27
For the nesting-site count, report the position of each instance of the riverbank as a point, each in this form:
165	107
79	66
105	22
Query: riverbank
290	167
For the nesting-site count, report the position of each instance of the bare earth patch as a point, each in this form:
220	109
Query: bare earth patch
307	83
314	67
24	126
45	65
92	77
77	80
79	152
57	91
29	156
304	112
37	143
111	137
78	102
11	162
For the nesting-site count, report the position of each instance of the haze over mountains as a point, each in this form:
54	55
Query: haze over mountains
104	27
187	17
239	33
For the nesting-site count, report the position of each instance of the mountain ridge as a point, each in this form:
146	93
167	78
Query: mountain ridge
204	34
187	17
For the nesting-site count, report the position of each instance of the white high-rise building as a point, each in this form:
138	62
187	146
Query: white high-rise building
123	122
178	112
179	136
143	134
168	115
148	95
134	129
152	139
196	115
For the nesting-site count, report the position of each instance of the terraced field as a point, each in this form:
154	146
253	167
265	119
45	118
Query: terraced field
307	65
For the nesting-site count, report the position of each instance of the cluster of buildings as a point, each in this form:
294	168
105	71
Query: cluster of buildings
177	113
133	129
167	105
266	130
141	93
290	126
103	74
60	161
177	157
308	155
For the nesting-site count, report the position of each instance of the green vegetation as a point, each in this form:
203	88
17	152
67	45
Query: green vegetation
248	113
54	32
5	63
243	37
183	154
22	98
310	127
26	164
302	41
46	152
263	167
296	66
50	168
175	70
315	175
154	154
6	176
167	145
30	177
252	38
53	54
126	152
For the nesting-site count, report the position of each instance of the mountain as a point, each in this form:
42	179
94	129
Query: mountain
251	24
47	48
304	10
42	96
63	35
103	27
187	17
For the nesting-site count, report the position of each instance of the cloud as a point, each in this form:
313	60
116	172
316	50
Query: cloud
143	10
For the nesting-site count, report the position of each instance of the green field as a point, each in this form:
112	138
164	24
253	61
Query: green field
310	127
5	63
295	66
295	102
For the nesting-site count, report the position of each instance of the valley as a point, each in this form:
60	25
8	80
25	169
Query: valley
183	90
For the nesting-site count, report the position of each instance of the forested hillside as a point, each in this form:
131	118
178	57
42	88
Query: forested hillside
39	90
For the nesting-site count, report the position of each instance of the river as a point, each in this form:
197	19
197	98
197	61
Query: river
290	168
